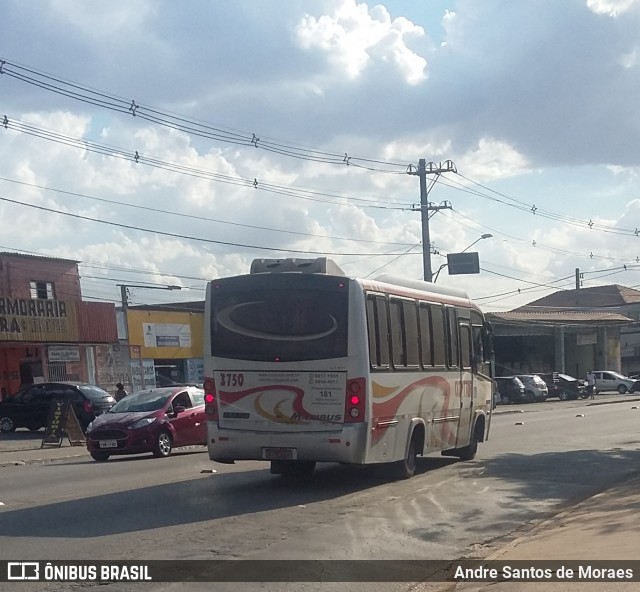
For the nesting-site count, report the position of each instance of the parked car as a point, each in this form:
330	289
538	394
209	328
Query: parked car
607	380
563	386
510	389
535	389
154	420
29	407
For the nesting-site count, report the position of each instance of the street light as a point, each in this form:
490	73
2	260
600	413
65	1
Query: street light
435	277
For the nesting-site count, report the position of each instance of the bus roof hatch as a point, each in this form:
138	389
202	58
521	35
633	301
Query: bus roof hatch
318	265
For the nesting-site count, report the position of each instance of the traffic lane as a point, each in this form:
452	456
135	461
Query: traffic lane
139	494
530	464
442	513
601	399
572	427
453	511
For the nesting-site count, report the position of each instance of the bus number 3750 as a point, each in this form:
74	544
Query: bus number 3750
231	379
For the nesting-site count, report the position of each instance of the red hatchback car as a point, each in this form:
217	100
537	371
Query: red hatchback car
155	420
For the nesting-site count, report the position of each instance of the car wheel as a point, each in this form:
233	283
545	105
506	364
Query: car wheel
33	427
7	425
504	399
529	397
100	456
163	445
564	396
622	389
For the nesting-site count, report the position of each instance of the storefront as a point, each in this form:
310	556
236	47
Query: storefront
44	337
166	344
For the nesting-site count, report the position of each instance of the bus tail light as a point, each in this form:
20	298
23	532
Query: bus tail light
356	401
210	403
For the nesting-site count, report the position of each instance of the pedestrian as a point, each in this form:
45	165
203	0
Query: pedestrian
120	393
591	385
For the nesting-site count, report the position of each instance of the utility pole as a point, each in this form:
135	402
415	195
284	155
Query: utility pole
425	169
578	276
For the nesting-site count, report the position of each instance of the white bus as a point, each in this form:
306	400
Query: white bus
305	365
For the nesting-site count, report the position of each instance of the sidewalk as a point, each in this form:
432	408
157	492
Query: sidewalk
24	448
603	527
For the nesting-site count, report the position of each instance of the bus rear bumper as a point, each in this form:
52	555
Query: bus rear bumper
346	446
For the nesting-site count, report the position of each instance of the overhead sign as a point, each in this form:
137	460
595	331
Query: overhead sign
463	263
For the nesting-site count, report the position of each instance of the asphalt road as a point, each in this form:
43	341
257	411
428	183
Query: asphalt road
144	508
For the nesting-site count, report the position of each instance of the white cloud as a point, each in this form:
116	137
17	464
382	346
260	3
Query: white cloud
102	19
613	8
354	36
492	159
509	98
631	59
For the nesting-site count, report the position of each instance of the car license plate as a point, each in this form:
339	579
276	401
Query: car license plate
279	454
108	443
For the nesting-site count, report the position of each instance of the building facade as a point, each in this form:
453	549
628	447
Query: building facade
47	332
571	331
165	342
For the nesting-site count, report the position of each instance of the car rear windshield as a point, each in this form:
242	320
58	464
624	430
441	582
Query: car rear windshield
93	393
279	317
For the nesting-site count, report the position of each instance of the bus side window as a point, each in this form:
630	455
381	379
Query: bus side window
382	317
478	350
372	331
438	333
410	318
378	329
465	346
453	353
426	348
398	352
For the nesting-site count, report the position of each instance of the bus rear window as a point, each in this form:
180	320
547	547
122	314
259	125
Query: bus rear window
279	324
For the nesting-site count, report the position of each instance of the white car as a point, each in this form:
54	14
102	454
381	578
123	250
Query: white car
607	380
535	388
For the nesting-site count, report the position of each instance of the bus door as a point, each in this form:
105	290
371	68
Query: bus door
465	386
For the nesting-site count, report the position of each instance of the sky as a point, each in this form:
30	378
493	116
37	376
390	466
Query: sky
168	144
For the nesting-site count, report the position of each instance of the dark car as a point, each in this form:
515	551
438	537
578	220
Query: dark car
563	386
29	407
154	420
511	389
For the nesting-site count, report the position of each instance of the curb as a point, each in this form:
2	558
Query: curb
37	461
612	402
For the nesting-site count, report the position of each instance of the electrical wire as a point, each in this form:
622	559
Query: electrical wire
111	102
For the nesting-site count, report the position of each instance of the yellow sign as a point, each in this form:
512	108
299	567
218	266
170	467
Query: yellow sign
30	319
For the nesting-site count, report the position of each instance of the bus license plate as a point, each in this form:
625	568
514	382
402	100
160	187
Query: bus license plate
108	444
279	454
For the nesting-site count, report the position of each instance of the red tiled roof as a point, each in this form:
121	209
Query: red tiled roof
564	317
596	297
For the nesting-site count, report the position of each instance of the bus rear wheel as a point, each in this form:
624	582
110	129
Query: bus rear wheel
406	468
469	452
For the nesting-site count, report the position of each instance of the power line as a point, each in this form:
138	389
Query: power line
141	159
130	107
184	236
194	217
